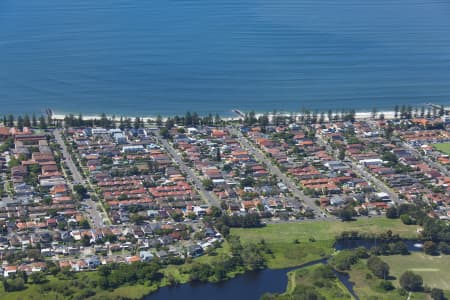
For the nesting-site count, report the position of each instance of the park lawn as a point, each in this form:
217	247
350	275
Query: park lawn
294	244
367	288
290	254
322	230
443	147
137	291
433	269
303	278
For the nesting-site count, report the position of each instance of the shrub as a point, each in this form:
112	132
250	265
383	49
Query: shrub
386	285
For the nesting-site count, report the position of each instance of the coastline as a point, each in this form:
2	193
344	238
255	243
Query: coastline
359	115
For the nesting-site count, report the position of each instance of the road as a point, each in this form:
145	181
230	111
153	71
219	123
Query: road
95	215
191	176
428	160
381	186
361	172
273	169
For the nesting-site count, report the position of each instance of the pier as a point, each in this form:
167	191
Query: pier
239	113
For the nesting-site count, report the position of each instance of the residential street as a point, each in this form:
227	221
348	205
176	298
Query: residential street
426	159
291	185
91	207
361	172
191	176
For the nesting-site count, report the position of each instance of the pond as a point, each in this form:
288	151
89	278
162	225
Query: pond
412	245
252	285
249	286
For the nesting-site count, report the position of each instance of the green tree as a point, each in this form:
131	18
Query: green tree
218	156
378	267
177	216
444	248
86	240
20	122
437	294
200	272
38	277
252	257
10	120
164	132
80	190
84	224
430	248
346	214
208	184
159	121
374	112
386	285
215	211
411	282
42	122
26	121
14	284
391	212
343	260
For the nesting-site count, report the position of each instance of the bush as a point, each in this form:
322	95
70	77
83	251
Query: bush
38	277
16	284
386	285
344	260
200	272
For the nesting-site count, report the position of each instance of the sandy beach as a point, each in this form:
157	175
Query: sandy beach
358	115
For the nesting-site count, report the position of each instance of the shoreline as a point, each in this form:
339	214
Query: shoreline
359	115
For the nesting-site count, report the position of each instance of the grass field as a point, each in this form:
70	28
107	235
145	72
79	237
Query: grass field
443	147
368	287
287	253
435	270
306	278
323	231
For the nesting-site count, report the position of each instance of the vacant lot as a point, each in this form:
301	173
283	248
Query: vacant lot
433	269
444	147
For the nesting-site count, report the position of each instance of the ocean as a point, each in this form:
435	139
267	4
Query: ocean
149	57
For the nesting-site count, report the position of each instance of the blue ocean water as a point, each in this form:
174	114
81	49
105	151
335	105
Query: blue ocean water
150	57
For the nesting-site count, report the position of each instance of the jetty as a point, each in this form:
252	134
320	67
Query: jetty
438	107
239	113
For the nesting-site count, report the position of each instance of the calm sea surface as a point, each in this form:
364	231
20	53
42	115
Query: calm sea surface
151	57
